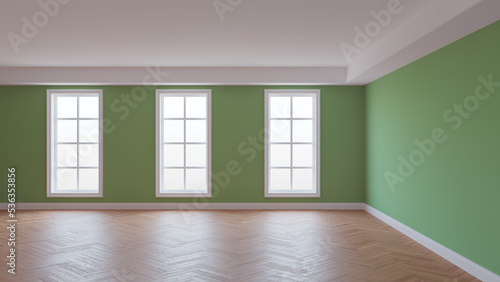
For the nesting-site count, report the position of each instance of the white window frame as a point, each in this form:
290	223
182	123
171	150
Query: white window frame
315	93
51	158
160	93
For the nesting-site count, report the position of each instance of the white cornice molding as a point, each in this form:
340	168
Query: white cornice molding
439	24
172	75
436	25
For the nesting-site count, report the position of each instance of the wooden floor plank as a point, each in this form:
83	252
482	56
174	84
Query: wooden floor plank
218	246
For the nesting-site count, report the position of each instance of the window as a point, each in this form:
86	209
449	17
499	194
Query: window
74	143
292	143
183	143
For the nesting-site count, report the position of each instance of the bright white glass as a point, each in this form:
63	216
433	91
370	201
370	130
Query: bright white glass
196	131
196	179
196	107
66	107
173	179
302	155
173	155
279	107
173	131
280	155
66	131
303	179
89	131
173	107
196	155
89	155
280	131
89	107
66	155
66	179
89	179
302	131
279	179
302	107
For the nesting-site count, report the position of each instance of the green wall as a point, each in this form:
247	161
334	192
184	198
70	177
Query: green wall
129	143
453	194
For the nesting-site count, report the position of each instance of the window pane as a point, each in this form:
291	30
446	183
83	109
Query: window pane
66	131
74	121
173	131
173	107
302	130
173	179
196	155
279	179
196	107
89	107
280	155
303	179
302	155
66	155
66	179
66	107
279	107
196	131
173	155
89	155
89	179
89	131
196	179
184	165
302	107
280	131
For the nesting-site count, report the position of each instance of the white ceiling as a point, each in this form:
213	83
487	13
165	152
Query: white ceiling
255	42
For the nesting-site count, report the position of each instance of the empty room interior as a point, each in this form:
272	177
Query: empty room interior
250	140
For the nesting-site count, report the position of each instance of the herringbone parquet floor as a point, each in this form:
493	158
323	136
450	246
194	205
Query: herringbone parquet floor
218	246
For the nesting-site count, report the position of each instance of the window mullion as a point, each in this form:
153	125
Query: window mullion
162	144
77	144
55	148
291	143
184	145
